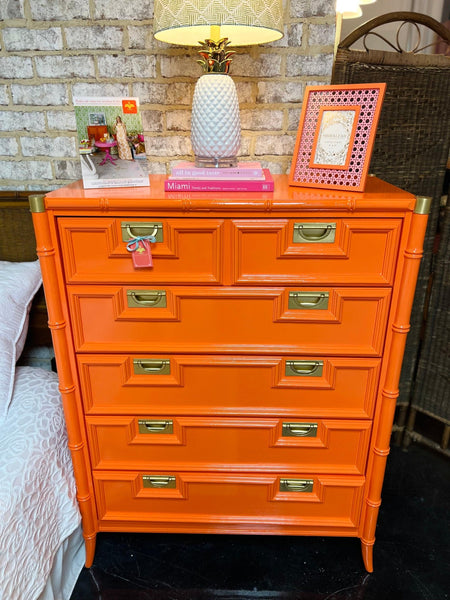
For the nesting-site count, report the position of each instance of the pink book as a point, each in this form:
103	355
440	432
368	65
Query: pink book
244	170
222	185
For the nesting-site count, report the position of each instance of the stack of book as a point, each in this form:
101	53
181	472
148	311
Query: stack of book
245	177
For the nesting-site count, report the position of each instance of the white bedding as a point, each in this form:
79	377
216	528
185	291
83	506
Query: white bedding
38	507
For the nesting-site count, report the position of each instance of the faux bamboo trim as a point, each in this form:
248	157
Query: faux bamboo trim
67	387
400	327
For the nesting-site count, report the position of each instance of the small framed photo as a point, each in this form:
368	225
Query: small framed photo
335	136
97	118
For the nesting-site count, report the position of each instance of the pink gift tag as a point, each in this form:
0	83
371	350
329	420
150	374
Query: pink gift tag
142	256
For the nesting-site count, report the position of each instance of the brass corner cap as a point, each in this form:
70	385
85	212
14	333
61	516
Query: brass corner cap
423	205
37	203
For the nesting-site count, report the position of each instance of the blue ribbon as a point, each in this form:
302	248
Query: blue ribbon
133	244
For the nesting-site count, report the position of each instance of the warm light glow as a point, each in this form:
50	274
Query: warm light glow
243	22
349	9
362	2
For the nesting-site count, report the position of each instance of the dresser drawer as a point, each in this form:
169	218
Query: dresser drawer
330	251
229	499
227	444
326	321
186	250
228	385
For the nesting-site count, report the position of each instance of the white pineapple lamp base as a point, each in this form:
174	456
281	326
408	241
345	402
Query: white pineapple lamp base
216	125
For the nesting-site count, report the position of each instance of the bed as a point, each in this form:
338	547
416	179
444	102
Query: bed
41	544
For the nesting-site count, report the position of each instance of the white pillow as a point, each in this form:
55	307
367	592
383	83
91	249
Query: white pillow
18	284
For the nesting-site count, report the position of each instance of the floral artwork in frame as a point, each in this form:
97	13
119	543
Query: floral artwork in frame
336	135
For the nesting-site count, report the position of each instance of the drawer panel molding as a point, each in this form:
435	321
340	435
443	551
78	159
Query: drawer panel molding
227	499
242	385
186	251
221	444
290	251
226	319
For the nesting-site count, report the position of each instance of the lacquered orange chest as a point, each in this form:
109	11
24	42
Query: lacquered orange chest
246	382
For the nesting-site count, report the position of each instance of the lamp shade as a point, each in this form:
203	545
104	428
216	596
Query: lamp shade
243	22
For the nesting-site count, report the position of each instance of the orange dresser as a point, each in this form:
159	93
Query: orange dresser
247	381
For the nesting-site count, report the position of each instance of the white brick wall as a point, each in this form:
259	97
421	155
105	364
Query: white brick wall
58	10
137	67
18	38
48	146
44	94
59	120
16	67
63	67
9	146
17	121
96	37
131	9
311	8
3	94
51	51
12	10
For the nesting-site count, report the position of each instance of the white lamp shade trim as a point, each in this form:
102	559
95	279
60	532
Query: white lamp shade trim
243	22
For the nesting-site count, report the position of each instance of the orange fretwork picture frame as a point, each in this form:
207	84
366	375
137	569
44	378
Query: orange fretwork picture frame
336	135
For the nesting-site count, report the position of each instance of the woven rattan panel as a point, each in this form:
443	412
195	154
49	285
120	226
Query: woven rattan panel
411	148
17	241
431	392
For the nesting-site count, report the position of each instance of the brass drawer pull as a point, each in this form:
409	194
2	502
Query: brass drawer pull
150	366
299	430
159	481
296	485
163	426
304	368
133	230
309	300
146	298
314	233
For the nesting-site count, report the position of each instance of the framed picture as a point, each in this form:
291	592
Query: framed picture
335	136
97	118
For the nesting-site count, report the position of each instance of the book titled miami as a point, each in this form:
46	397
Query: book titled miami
244	170
221	185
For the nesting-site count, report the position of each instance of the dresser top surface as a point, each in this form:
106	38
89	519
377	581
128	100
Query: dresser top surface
377	196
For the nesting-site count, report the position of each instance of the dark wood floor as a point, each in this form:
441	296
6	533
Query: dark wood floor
411	555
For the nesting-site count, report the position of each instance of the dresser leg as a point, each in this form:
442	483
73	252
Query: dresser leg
90	550
367	554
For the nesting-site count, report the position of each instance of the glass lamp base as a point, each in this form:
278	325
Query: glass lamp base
220	163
